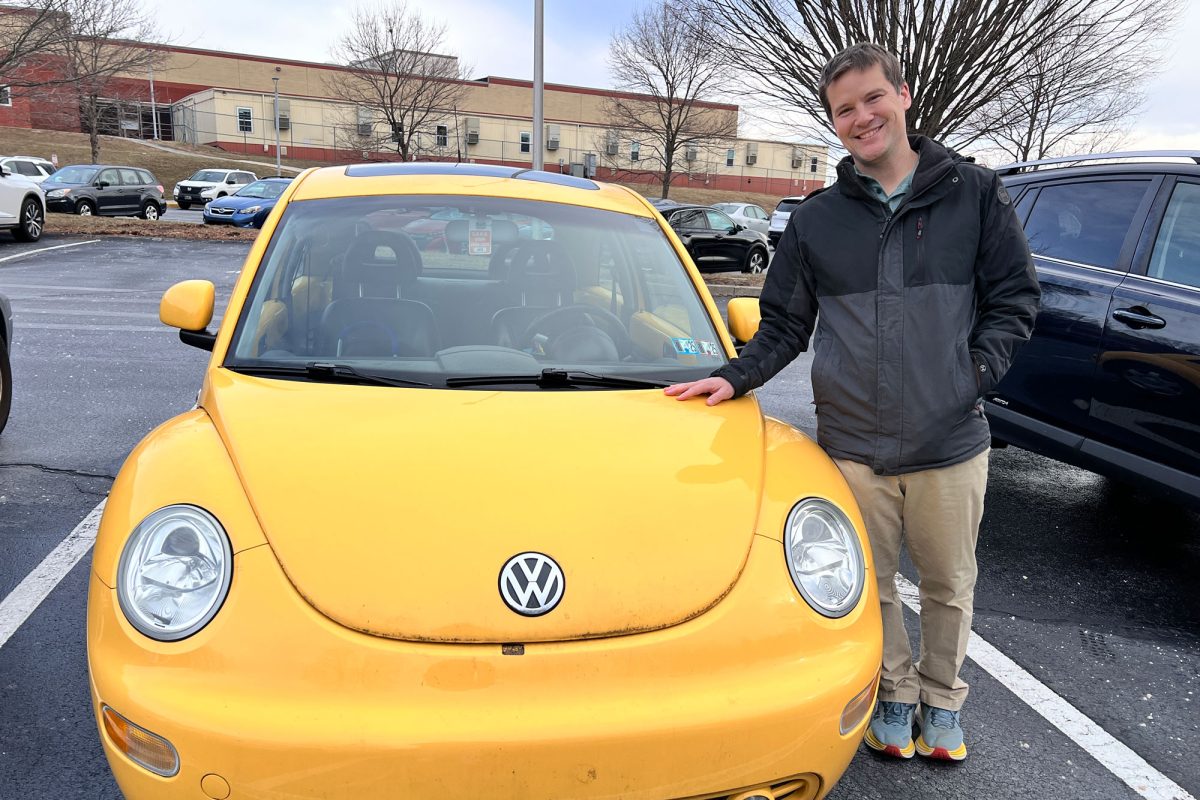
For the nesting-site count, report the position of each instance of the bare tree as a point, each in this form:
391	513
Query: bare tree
397	77
101	44
29	32
959	56
666	60
1076	92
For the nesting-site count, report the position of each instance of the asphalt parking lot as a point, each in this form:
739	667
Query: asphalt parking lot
1085	671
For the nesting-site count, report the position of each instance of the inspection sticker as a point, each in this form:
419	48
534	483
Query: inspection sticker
709	348
686	347
480	242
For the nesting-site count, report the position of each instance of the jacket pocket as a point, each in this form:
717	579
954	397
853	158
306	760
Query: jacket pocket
965	382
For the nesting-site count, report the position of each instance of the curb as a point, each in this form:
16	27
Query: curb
733	290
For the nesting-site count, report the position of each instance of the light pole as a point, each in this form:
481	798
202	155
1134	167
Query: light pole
538	127
278	168
153	106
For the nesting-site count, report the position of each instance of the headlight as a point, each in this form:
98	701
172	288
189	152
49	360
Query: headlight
174	572
58	193
824	557
252	210
176	191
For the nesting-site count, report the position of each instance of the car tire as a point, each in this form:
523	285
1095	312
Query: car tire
183	205
85	208
5	384
32	222
150	211
756	261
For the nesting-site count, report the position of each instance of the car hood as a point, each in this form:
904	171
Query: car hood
200	184
393	510
238	203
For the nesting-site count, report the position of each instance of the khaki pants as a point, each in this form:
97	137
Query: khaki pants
937	512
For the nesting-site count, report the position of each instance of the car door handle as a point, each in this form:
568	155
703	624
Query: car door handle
1138	317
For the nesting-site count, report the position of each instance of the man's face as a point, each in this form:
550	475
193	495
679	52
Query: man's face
868	115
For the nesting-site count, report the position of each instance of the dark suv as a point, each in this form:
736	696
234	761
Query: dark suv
1110	380
715	242
88	189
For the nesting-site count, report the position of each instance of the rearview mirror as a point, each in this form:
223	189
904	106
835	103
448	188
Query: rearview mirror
744	318
188	305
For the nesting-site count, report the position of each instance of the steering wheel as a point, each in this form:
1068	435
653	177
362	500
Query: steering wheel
557	321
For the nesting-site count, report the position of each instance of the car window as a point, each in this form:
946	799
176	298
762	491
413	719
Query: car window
24	168
1084	222
755	212
45	169
74	175
210	176
146	178
430	287
728	208
130	177
786	205
719	222
109	176
1176	255
690	218
1025	203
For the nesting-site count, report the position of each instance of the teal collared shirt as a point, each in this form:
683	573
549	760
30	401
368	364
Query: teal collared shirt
893	200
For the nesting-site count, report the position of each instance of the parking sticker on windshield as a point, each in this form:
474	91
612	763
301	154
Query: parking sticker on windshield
686	347
710	349
480	243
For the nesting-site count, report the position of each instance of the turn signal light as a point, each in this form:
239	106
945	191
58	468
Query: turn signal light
858	708
143	748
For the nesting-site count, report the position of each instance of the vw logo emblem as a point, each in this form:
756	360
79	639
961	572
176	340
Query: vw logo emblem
531	584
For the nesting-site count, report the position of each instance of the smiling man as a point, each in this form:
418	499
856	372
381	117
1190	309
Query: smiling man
925	287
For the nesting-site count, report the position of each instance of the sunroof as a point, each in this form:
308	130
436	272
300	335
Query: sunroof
480	170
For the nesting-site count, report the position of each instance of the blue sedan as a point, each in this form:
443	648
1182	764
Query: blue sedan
248	207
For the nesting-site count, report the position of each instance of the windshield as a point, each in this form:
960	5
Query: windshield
428	288
266	190
73	175
209	176
728	208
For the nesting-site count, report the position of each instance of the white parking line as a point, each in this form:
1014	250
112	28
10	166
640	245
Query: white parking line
1113	755
36	587
45	250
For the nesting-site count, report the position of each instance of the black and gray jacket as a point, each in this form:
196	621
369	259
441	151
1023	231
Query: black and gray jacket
921	312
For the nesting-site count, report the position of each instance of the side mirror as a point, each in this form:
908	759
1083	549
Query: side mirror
744	318
188	305
230	180
4	171
102	184
737	228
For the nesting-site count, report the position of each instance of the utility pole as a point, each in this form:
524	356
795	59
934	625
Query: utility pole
153	106
539	129
278	168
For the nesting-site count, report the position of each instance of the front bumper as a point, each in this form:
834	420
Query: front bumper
280	702
61	204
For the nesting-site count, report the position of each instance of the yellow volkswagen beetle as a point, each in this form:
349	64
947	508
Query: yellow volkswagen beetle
433	530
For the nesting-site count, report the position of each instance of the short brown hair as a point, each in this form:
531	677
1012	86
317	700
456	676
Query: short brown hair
863	55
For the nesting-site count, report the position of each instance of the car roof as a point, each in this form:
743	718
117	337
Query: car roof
451	178
38	159
1166	162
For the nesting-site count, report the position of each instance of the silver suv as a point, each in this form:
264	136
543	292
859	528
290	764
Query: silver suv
780	217
209	184
22	206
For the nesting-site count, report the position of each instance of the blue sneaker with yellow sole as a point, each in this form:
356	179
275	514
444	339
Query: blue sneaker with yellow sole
941	735
890	731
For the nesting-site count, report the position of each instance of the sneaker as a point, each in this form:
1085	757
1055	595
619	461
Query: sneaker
890	730
941	734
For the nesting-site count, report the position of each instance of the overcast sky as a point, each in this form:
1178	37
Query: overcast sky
494	37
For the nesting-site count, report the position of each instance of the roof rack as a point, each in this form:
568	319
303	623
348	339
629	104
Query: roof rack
1029	166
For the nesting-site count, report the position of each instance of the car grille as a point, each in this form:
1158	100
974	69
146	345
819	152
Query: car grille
220	212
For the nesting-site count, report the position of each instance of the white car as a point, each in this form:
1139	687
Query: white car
31	167
747	215
780	217
22	206
209	184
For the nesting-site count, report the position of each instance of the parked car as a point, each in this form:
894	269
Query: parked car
715	242
107	190
780	217
249	206
747	215
1110	380
31	167
211	184
6	379
22	206
352	581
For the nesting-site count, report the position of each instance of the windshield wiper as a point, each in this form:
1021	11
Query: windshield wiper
326	372
559	378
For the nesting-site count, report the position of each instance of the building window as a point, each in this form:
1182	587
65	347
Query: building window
729	156
812	165
245	118
635	151
5	95
441	136
525	139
